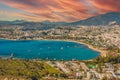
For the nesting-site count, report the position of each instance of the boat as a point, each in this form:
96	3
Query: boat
48	47
75	46
62	48
40	48
29	50
68	46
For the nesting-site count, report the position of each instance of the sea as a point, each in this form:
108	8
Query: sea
46	50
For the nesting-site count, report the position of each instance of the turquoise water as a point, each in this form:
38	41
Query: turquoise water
42	49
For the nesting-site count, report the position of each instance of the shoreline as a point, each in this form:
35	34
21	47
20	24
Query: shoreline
102	52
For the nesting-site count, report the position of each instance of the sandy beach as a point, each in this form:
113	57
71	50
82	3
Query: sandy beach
102	52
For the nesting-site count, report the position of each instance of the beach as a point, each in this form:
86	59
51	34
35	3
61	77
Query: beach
102	52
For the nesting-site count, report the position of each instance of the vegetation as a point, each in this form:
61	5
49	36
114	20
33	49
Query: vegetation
26	69
107	59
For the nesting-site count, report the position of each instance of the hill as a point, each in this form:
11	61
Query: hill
103	19
25	69
100	20
26	25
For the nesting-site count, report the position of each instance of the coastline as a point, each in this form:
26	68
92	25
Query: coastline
102	52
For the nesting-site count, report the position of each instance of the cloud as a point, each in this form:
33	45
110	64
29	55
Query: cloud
62	10
107	5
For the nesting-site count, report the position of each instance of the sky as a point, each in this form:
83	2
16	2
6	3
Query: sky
55	10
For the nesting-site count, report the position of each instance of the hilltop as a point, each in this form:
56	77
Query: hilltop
100	20
25	69
103	19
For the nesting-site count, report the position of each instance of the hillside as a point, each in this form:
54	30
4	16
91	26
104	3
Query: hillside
25	69
27	25
103	19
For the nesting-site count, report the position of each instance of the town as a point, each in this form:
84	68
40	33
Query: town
107	68
105	38
81	70
59	39
102	37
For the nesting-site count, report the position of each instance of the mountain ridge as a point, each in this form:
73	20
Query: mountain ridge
103	19
100	20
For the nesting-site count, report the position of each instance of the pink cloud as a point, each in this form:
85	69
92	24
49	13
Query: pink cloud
63	10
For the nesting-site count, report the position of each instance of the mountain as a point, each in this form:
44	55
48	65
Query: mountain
26	25
103	19
12	22
18	21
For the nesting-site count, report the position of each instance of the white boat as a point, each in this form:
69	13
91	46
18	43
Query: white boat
40	48
68	46
62	48
75	46
29	50
48	47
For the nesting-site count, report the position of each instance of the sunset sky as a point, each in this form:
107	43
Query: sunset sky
55	10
